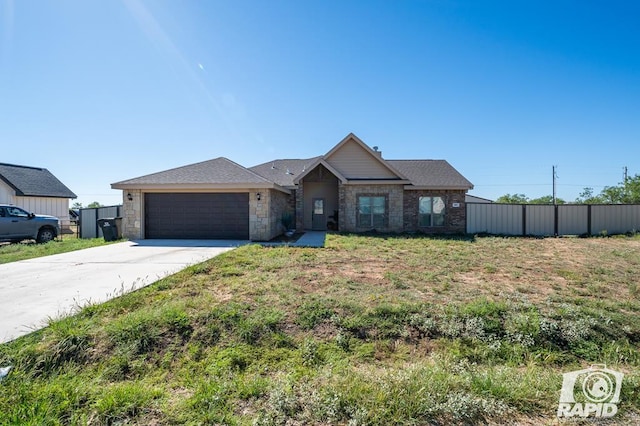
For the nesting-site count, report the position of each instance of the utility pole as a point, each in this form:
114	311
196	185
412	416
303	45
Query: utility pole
625	174
553	168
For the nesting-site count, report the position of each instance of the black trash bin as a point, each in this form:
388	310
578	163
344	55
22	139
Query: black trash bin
109	226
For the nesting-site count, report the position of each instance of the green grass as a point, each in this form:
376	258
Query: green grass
26	250
371	330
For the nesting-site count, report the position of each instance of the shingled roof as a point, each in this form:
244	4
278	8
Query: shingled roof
219	171
431	174
33	182
284	171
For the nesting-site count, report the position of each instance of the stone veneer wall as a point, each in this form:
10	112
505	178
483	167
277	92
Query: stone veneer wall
280	204
455	217
132	216
348	201
265	214
299	206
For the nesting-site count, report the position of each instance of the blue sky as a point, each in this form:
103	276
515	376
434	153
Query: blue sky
102	91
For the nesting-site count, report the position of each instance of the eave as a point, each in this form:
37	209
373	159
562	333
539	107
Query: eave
378	182
438	187
200	187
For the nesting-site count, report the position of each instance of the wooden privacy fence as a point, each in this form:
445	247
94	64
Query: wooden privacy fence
545	220
89	220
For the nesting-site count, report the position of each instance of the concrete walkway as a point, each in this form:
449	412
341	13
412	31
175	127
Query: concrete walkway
32	291
313	239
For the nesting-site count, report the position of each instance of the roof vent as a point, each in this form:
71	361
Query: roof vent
289	172
273	165
375	148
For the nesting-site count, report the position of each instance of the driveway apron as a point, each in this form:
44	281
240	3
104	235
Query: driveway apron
33	291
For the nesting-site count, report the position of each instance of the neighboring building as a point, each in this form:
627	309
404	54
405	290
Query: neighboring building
351	188
474	199
36	190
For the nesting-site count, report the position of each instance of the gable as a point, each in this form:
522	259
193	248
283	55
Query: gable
33	182
7	194
355	161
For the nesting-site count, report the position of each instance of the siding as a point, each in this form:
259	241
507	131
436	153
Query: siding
573	220
89	220
7	194
499	219
58	207
615	219
540	220
353	162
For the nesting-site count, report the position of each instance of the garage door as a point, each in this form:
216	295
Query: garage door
197	216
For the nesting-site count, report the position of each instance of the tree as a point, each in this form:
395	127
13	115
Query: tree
587	197
547	199
76	205
94	205
627	192
632	186
513	199
523	199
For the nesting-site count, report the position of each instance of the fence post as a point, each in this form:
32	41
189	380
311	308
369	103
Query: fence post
589	219
524	220
555	220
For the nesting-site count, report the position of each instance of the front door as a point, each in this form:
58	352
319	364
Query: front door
319	217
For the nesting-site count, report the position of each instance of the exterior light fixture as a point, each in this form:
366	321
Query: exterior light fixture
258	196
129	197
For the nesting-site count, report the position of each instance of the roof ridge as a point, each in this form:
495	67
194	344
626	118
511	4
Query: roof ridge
417	159
181	167
247	169
22	167
286	159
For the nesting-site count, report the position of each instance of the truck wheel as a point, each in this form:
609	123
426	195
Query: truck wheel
45	235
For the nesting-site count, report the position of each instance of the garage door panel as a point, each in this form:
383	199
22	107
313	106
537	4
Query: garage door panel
197	215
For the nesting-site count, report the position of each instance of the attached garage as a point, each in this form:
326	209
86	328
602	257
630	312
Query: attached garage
196	215
215	199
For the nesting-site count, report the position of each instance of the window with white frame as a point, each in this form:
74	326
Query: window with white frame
371	211
431	211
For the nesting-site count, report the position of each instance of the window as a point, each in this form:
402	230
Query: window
431	211
371	212
16	212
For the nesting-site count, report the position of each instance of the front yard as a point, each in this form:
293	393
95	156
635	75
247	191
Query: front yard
29	250
370	330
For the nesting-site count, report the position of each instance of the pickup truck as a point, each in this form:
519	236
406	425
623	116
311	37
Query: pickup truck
17	224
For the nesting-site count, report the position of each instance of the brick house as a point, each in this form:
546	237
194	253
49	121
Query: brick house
352	188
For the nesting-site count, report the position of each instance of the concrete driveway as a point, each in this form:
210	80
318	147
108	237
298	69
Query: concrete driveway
32	291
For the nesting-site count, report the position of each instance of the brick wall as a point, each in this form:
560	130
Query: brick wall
348	201
455	217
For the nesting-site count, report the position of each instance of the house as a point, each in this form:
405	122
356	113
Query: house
351	188
36	190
